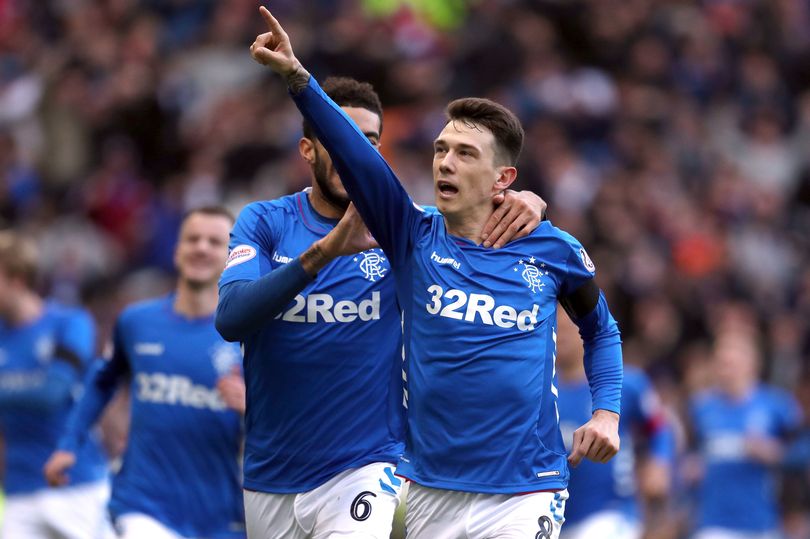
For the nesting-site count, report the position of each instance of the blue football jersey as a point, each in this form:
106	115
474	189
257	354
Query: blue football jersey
181	464
62	338
611	486
722	425
479	330
324	377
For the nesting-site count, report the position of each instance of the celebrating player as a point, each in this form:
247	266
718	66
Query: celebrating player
323	373
479	324
180	474
740	427
45	349
604	498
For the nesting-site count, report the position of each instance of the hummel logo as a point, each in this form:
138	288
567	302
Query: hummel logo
149	348
282	259
445	260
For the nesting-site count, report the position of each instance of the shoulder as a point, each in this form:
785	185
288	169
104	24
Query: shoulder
561	246
282	207
67	313
702	399
149	309
547	233
776	395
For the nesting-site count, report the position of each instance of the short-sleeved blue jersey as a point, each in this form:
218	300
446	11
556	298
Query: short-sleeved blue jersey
181	464
612	486
62	338
324	377
722	426
479	330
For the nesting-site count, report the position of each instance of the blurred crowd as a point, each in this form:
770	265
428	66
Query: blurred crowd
672	137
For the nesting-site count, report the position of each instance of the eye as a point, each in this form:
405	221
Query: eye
438	150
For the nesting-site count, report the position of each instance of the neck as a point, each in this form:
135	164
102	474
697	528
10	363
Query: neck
323	205
27	308
469	223
740	390
196	302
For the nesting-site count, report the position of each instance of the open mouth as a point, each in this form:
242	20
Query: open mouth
446	188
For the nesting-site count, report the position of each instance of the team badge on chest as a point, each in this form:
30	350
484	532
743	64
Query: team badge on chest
371	264
224	357
531	274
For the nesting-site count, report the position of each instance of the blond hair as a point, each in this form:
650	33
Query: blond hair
18	257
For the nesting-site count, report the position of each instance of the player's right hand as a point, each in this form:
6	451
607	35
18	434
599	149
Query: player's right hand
273	48
56	468
232	389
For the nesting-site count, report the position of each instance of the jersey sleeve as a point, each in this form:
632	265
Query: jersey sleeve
579	267
76	341
387	210
251	292
600	335
101	382
250	248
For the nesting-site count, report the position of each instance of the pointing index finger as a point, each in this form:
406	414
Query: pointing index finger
271	21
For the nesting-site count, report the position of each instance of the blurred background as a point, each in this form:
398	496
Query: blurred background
671	137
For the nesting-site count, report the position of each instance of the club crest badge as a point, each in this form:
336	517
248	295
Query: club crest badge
531	274
371	264
224	356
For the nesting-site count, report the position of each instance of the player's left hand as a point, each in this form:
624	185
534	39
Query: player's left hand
597	440
232	389
517	214
349	236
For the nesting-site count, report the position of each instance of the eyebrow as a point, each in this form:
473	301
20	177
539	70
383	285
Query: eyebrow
460	145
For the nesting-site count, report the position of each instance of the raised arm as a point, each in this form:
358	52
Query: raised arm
371	184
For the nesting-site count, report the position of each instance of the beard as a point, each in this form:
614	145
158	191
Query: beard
321	174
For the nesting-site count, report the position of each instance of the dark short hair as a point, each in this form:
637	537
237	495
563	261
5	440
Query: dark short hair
19	257
348	92
503	124
217	211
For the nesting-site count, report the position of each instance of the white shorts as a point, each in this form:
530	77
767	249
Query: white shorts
140	526
358	503
447	514
73	512
722	533
605	524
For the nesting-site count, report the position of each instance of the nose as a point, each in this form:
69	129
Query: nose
446	165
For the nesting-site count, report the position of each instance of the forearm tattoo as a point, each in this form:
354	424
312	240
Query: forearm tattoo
298	79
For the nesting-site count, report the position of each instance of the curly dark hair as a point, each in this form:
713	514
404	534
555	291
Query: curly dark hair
348	92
